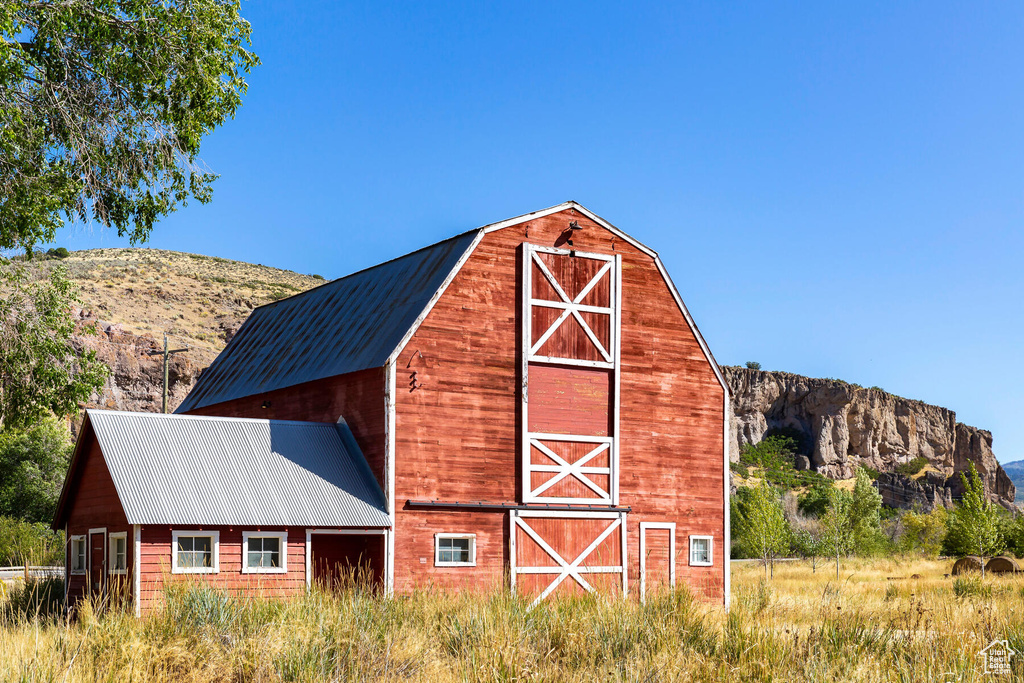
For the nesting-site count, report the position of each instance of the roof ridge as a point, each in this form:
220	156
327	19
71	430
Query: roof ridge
368	268
216	418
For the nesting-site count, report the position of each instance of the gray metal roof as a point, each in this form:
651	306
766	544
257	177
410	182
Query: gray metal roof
353	323
184	469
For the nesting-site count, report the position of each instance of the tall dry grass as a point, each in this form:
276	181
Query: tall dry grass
802	626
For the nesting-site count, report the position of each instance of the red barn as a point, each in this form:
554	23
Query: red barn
528	403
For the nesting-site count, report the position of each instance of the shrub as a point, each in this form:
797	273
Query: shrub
58	253
34	600
753	365
971	587
317	277
909	469
31	543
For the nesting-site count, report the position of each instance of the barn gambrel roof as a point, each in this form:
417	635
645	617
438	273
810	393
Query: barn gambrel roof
193	470
360	321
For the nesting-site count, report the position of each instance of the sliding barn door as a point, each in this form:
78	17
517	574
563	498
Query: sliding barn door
570	314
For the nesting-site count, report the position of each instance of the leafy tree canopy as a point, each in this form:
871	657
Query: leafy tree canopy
33	463
974	527
103	106
41	371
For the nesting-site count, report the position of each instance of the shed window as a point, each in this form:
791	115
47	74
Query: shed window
119	553
78	565
195	552
700	551
455	550
264	552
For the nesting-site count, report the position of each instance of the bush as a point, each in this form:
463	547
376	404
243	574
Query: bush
58	253
31	543
909	469
753	365
34	600
971	587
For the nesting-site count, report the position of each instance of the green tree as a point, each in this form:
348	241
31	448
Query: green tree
41	371
974	526
765	531
922	532
836	526
814	501
865	516
103	106
33	463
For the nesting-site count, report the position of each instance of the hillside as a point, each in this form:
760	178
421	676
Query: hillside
1015	470
135	296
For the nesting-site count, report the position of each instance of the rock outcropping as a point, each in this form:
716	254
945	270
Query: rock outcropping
848	426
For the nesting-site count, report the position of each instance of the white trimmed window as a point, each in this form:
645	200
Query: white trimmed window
701	548
78	565
264	552
119	553
195	552
455	550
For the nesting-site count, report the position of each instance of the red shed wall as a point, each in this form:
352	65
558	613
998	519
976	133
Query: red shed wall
94	505
356	396
156	564
457	435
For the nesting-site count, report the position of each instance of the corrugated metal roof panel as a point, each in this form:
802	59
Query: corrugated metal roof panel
350	324
183	469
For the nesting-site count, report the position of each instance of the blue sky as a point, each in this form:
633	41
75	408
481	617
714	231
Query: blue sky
837	190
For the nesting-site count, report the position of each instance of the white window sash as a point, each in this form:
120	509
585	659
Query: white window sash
438	562
282	538
214	537
695	543
121	536
79	558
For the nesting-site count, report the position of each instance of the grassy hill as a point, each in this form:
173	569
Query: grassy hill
135	296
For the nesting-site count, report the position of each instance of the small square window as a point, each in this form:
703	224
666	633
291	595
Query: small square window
78	561
195	552
455	550
700	551
119	553
264	552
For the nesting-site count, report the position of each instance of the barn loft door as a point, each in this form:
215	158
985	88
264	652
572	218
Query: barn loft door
569	551
570	370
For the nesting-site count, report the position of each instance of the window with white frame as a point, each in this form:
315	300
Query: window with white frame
119	553
264	552
701	551
78	562
455	550
195	552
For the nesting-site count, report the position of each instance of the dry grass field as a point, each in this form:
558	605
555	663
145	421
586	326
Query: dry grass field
802	626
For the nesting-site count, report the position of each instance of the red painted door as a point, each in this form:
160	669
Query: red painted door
97	563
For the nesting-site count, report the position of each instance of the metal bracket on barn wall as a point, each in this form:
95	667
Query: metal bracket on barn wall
414	382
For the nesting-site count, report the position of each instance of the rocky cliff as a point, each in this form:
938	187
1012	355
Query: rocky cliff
847	425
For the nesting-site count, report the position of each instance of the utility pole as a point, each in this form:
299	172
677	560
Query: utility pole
166	353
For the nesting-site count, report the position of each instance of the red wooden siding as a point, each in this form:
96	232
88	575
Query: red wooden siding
156	563
357	396
94	505
414	550
457	435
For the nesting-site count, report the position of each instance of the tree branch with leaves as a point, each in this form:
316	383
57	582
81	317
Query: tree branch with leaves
104	105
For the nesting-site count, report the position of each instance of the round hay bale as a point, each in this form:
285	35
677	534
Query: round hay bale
971	563
1002	565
